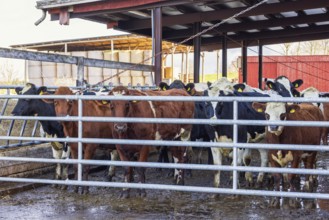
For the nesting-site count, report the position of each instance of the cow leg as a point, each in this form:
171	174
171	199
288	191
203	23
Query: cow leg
309	163
275	201
74	153
178	156
127	170
188	155
141	170
65	167
246	157
264	161
293	203
89	150
217	158
57	154
114	157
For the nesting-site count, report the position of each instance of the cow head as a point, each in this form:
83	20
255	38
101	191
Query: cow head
176	84
27	107
215	89
276	111
63	107
283	86
120	108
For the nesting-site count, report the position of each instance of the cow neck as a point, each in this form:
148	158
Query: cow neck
45	109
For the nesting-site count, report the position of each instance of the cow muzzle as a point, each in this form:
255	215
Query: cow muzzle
121	128
273	128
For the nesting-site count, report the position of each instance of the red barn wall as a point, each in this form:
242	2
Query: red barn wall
314	70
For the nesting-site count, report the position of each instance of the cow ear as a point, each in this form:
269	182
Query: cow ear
209	84
41	90
270	84
259	107
297	83
102	102
239	87
163	86
18	90
292	108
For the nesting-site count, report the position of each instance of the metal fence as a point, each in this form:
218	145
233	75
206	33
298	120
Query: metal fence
234	145
81	62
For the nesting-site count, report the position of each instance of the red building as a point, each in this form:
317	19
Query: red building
314	70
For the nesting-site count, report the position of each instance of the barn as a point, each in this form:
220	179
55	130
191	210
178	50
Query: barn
203	25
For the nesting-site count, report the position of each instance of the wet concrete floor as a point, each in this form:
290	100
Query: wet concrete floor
47	202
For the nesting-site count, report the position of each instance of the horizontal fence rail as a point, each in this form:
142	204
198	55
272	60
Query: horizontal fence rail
234	145
58	58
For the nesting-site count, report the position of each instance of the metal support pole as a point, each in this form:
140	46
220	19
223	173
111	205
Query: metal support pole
235	149
80	146
224	55
157	45
80	73
197	52
244	62
260	65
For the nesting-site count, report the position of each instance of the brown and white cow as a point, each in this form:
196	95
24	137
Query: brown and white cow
312	92
91	108
148	131
296	135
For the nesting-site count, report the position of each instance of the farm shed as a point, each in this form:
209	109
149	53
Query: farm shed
204	25
312	69
123	48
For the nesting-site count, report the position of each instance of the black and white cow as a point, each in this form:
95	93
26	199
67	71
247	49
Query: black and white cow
284	87
30	107
224	133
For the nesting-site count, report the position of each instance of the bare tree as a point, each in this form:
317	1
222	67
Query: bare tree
8	74
286	48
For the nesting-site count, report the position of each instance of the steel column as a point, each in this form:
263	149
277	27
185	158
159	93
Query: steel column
224	56
244	61
157	44
260	65
197	52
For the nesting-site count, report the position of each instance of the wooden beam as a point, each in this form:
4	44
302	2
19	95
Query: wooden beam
209	16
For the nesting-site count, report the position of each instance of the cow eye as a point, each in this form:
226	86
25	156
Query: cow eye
282	116
111	106
70	102
267	116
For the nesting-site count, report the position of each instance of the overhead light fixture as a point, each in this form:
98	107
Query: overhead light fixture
142	14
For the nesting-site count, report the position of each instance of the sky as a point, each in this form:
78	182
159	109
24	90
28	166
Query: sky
17	18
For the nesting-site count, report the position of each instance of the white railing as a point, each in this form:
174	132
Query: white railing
234	168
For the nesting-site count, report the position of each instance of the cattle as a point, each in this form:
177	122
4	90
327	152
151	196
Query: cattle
30	107
91	108
295	135
200	132
224	133
147	131
312	92
283	86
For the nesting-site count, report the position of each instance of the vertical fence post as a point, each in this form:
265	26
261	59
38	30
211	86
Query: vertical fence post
80	113
80	73
235	141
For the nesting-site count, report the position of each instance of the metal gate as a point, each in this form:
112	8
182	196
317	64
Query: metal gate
234	145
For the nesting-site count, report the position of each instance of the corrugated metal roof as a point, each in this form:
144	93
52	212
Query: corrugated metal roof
119	42
276	21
